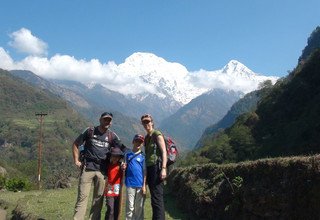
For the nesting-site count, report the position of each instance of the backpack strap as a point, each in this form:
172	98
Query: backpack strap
155	141
135	155
109	134
110	137
90	132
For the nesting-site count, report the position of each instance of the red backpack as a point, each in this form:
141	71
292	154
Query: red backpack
171	148
172	151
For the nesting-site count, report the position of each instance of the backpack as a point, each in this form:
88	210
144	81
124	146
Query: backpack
171	148
172	151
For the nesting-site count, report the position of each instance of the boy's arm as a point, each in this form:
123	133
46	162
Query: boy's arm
144	187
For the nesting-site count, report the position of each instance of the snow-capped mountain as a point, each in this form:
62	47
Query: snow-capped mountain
161	77
144	74
235	68
168	79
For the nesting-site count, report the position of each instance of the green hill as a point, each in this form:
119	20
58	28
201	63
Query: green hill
313	43
19	129
246	104
285	122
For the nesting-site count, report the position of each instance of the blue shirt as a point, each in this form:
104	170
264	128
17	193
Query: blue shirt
135	169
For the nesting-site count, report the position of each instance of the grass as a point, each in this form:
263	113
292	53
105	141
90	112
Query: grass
31	124
59	204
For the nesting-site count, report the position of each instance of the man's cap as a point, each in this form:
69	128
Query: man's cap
106	115
146	117
138	137
116	151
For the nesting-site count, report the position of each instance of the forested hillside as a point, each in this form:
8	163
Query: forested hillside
246	104
19	129
285	122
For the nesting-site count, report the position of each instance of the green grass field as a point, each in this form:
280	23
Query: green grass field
59	204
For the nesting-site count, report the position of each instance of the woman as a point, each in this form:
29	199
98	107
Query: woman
156	160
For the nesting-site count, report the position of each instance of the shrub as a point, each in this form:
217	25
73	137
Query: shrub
16	185
2	182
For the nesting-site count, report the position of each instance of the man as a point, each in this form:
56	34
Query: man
97	143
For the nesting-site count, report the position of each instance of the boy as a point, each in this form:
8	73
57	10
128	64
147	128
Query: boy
112	190
135	180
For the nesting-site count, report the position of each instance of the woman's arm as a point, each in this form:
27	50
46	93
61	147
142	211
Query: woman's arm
162	147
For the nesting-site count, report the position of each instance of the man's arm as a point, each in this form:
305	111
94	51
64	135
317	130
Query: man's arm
75	154
75	147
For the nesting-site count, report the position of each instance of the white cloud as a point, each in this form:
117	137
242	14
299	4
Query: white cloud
23	41
6	61
140	73
66	67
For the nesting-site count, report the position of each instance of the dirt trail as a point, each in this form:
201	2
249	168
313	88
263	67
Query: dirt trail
3	214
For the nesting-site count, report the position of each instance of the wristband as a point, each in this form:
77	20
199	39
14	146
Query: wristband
163	167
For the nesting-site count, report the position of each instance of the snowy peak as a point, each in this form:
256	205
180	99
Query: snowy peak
169	79
236	68
141	64
142	59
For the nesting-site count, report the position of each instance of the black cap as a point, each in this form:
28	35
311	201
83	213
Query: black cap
106	115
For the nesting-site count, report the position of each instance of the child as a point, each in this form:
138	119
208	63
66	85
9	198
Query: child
112	190
135	180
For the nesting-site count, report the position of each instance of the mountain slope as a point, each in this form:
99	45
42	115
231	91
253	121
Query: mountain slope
188	123
286	122
246	104
289	117
19	128
91	102
313	43
99	96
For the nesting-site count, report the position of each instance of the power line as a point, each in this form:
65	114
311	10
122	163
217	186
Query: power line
41	116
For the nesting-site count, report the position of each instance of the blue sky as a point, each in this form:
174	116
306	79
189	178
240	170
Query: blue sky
266	36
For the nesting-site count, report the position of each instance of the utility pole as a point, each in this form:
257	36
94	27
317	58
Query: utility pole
41	116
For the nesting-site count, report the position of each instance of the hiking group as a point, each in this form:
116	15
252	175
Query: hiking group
106	163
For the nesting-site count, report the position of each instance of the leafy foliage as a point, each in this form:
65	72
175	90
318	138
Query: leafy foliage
2	182
17	184
313	43
278	188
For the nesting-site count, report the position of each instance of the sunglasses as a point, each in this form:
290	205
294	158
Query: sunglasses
146	122
145	116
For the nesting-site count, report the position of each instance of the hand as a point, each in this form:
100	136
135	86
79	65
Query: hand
163	174
123	166
144	190
78	163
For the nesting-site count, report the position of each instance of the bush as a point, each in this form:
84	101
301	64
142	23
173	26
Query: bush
2	182
16	185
